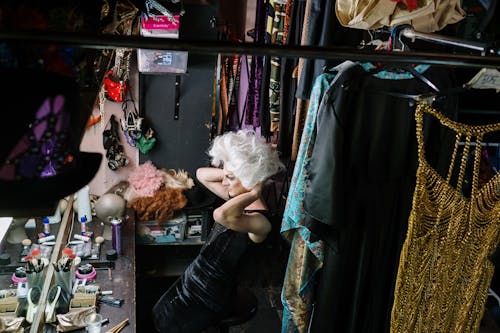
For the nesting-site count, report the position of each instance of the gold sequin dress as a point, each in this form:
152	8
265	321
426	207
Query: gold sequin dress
444	270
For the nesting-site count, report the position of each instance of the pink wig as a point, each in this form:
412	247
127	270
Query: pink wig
146	179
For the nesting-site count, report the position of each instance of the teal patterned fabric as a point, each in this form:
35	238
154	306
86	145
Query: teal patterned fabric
297	301
294	212
388	75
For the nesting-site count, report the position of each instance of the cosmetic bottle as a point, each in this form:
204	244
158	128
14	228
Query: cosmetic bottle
46	226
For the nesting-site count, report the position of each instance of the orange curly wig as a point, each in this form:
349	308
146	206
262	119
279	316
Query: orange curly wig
161	206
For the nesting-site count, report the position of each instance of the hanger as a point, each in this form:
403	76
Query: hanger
494	295
398	68
376	42
396	44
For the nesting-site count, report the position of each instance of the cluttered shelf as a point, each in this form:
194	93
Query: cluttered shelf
25	235
104	280
24	238
110	270
186	227
74	269
183	234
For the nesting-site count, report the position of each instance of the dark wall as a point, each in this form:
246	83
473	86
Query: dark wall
183	142
232	15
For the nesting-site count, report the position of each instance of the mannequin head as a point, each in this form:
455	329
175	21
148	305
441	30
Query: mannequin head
247	159
110	205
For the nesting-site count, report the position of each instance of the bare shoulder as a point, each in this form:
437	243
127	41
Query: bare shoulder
258	205
259	226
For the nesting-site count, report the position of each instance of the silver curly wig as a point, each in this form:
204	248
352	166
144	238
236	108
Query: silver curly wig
247	155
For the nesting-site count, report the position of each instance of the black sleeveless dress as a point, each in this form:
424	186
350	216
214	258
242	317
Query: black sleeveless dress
203	294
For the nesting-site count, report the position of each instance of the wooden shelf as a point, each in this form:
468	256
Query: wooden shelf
185	242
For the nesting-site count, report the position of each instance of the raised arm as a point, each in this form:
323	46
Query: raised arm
231	214
211	178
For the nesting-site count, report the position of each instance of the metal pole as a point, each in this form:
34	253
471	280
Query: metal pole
223	47
412	34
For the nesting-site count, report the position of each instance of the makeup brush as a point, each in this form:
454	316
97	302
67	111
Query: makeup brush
96	249
77	261
36	254
26	245
66	252
26	248
99	240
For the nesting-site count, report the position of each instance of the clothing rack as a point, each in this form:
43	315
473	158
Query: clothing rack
100	41
483	144
409	32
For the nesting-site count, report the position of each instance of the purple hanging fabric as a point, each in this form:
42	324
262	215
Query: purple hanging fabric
253	98
233	92
243	93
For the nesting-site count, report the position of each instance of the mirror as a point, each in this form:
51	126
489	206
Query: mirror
368	155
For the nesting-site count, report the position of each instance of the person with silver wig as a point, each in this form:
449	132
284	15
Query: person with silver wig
246	155
205	293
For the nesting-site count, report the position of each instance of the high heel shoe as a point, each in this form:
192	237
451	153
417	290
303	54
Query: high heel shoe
114	149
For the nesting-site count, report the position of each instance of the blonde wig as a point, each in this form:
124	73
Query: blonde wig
247	155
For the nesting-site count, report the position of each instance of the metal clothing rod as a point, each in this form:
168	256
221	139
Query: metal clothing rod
224	47
483	144
410	33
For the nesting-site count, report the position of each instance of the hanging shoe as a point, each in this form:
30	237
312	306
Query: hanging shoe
131	123
114	149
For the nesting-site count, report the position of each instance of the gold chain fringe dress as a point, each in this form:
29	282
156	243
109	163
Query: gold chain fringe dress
444	271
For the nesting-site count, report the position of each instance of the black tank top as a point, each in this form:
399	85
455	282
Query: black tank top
210	279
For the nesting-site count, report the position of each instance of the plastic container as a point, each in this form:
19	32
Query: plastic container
162	61
83	222
46	226
83	203
176	226
116	235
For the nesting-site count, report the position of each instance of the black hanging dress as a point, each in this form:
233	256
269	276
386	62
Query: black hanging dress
358	200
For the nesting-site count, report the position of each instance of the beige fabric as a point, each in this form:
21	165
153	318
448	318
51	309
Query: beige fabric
432	15
74	320
11	324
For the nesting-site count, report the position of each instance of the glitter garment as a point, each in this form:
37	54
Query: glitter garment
444	269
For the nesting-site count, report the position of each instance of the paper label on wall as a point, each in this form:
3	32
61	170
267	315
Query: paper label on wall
486	78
